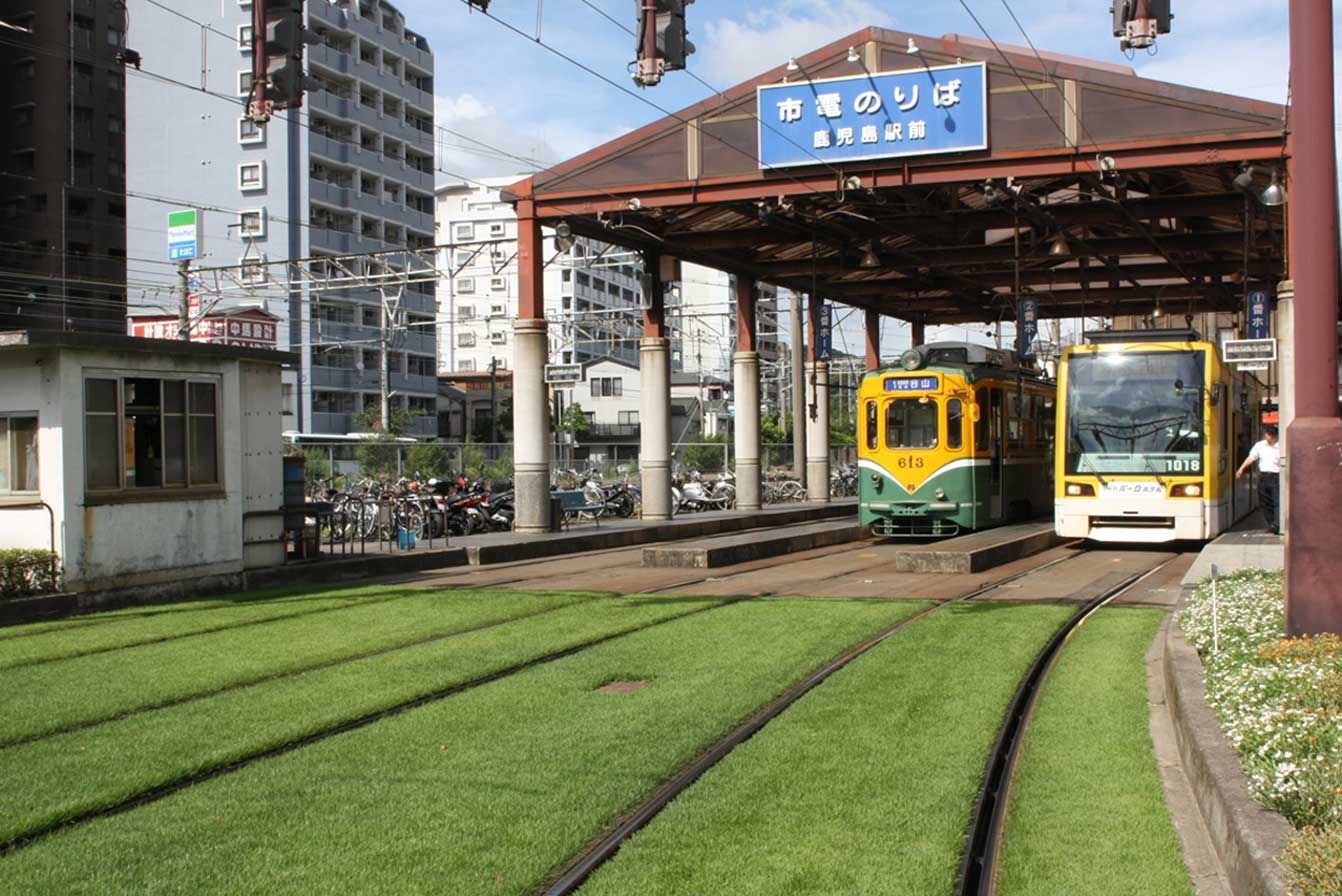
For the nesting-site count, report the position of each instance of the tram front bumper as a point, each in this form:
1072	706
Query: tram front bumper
1130	519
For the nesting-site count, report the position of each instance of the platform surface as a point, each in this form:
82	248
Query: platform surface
729	550
977	551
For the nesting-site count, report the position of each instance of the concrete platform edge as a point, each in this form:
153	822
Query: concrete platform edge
1248	837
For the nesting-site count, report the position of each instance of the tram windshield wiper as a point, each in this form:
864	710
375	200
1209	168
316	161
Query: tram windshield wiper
1094	469
1154	472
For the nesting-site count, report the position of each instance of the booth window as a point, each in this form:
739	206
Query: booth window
144	433
18	454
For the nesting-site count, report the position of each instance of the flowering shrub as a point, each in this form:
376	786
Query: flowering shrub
1281	704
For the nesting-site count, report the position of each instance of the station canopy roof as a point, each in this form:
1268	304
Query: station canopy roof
923	237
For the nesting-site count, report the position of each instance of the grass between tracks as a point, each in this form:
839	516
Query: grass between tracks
1087	811
142	625
70	774
865	786
485	792
38	700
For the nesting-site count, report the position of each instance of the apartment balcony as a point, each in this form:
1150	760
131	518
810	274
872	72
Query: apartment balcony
328	58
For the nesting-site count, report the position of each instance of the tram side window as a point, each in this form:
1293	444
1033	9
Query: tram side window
1013	420
911	423
981	426
871	426
954	424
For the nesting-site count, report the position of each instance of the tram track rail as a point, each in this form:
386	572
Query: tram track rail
576	872
977	875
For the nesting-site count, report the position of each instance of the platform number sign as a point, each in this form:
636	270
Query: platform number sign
1257	319
1027	326
824	333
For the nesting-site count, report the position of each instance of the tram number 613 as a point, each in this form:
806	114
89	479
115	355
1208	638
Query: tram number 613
910	463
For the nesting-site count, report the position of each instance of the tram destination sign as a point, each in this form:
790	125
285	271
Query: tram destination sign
1248	351
911	384
917	112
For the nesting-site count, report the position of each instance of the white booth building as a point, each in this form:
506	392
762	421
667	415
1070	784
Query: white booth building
141	461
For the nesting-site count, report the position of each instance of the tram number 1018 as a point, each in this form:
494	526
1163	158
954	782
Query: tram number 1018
1182	464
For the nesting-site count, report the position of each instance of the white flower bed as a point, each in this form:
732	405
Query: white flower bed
1280	701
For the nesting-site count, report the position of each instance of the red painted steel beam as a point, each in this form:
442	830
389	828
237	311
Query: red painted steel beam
873	339
530	263
745	314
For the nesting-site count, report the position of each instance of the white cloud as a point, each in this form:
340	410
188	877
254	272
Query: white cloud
735	50
466	107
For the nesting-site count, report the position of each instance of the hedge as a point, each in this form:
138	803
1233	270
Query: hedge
24	572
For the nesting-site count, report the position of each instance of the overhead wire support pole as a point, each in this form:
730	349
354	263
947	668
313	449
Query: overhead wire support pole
184	309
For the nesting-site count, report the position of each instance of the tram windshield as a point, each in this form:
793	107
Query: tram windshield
1135	412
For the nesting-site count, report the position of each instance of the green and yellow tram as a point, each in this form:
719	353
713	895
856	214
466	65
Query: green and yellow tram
955	437
1152	427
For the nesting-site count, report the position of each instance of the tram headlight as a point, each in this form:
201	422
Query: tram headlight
1080	490
911	359
1190	490
941	494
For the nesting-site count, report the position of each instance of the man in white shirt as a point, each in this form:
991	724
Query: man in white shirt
1267	454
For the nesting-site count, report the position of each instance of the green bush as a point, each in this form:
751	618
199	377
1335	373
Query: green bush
318	464
24	572
705	455
428	461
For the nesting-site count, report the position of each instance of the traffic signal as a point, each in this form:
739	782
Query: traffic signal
284	38
666	18
1138	22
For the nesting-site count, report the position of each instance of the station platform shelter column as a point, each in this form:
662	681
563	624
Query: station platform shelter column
531	430
746	388
817	407
654	413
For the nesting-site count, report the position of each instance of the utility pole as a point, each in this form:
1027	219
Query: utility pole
798	393
493	404
184	310
389	321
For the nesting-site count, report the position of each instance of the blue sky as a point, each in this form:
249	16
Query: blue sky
506	90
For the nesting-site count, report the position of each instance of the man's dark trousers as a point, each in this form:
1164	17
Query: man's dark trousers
1269	496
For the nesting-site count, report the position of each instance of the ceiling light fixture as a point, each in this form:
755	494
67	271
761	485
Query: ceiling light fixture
1244	180
1275	194
853	55
792	65
869	257
912	48
564	238
1059	246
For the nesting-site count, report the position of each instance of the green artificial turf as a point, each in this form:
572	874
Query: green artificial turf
61	777
485	792
38	700
1087	812
865	786
105	632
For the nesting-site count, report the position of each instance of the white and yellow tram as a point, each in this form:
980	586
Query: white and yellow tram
1151	427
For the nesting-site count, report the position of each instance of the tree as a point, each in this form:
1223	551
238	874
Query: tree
575	421
378	455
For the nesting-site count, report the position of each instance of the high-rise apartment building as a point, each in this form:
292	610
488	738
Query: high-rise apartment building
351	172
592	291
63	166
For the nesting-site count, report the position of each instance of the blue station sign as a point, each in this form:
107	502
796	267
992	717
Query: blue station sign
873	116
1027	326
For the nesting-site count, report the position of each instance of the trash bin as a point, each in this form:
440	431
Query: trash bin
556	514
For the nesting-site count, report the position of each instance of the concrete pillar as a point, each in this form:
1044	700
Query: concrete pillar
1313	562
746	398
873	339
817	432
531	430
746	384
654	408
1285	388
531	435
654	418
